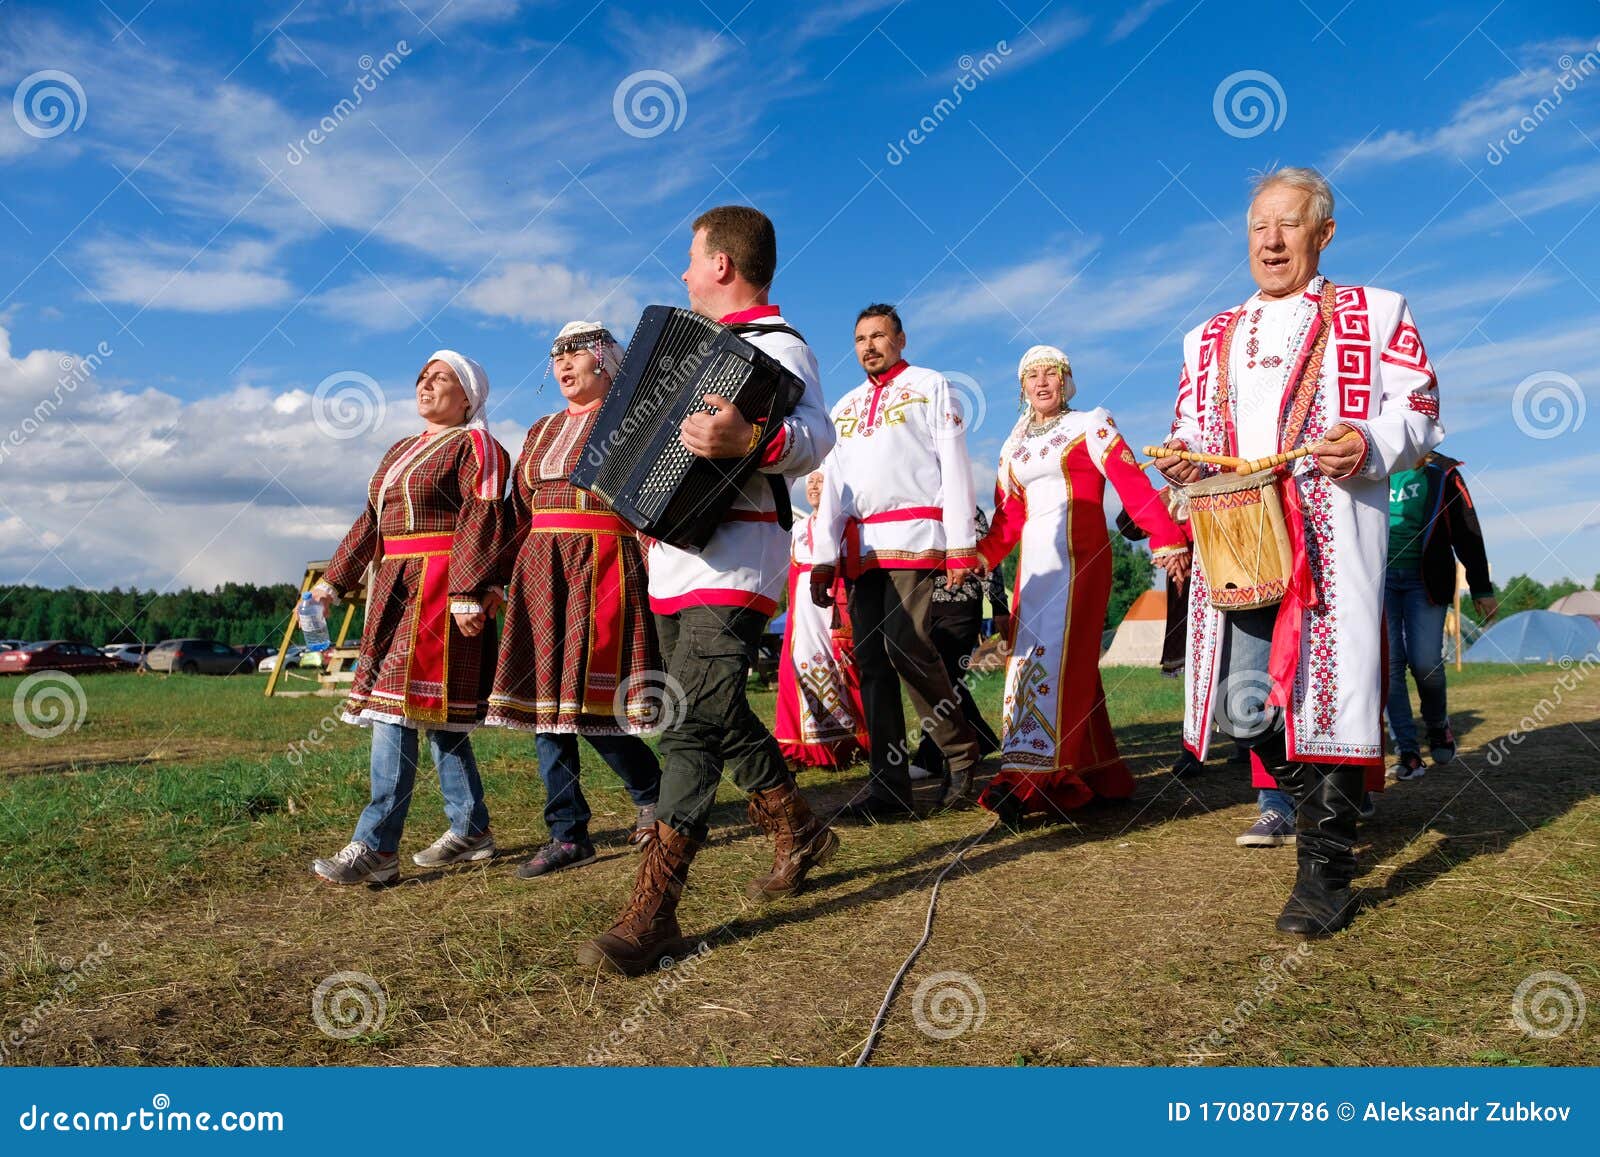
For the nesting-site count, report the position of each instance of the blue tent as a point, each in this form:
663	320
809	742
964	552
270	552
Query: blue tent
1536	637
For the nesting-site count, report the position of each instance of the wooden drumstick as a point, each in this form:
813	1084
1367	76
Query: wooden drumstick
1241	465
1192	456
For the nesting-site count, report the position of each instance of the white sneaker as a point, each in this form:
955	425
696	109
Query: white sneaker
453	849
920	772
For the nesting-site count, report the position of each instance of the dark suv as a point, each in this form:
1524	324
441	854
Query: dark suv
197	657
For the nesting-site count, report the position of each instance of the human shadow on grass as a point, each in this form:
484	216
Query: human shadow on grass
1481	802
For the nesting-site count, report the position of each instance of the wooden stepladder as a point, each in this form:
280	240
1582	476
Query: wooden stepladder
341	658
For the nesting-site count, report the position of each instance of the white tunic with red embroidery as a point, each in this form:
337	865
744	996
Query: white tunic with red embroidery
747	560
1242	394
898	484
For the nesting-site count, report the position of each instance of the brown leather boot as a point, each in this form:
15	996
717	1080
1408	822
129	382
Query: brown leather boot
647	930
800	841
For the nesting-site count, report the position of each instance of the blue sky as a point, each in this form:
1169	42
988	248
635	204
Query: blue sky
169	216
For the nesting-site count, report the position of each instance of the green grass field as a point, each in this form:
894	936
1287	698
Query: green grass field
175	825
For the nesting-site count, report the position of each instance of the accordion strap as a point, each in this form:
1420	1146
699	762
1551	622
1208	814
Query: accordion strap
780	488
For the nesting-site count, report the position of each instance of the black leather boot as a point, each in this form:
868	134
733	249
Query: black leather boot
1328	798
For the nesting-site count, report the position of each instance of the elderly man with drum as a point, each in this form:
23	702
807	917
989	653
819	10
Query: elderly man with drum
1331	382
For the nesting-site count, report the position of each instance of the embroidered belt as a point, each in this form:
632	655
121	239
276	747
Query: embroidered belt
591	521
416	545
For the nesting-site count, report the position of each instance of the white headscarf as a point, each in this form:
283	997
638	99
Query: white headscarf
605	348
1049	355
474	381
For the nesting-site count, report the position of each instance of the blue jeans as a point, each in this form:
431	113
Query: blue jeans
394	773
1416	640
566	812
1241	710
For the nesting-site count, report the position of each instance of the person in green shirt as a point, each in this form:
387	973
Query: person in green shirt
1432	522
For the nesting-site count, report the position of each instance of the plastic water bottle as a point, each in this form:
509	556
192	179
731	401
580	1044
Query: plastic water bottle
313	623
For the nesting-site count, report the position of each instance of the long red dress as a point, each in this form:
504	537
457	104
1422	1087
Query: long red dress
819	722
578	650
1057	749
436	500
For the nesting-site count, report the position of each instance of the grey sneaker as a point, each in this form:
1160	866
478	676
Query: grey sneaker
1271	830
358	864
453	849
556	856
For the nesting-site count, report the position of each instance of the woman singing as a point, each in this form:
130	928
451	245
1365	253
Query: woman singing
426	546
1058	752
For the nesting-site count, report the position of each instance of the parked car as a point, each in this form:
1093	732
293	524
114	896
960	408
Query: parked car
292	656
128	654
256	654
70	655
12	644
197	657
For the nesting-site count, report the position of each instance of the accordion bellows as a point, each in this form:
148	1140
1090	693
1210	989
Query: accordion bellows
634	458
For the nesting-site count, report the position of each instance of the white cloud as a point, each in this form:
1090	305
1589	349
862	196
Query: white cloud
224	278
382	304
550	295
1483	120
1135	18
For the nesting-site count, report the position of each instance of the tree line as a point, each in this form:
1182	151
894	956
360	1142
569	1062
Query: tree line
239	614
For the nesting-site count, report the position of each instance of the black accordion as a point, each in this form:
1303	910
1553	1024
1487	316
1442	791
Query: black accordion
634	458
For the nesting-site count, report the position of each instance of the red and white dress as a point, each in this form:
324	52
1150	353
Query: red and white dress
577	650
435	502
820	720
1057	749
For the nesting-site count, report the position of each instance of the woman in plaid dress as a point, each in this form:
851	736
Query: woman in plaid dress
578	654
426	547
